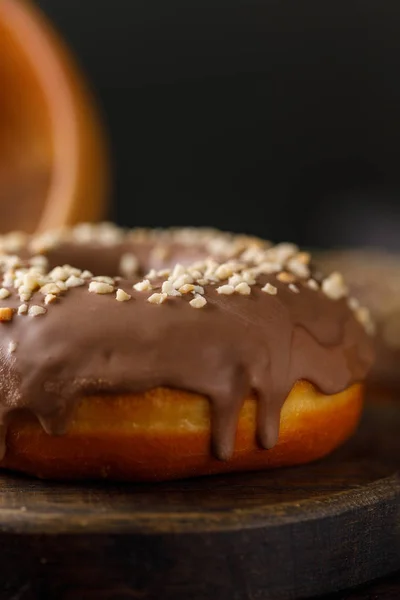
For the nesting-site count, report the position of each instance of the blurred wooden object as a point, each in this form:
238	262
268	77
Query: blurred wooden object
53	167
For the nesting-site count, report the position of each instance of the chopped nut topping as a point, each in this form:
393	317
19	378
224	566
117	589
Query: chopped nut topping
267	268
248	277
198	289
188	287
227	290
243	289
237	263
6	314
282	252
304	257
24	293
159	253
87	275
50	288
104	279
30	281
312	284
334	286
270	289
285	277
4	293
157	298
235	280
122	296
198	301
224	271
168	288
143	286
152	274
36	311
181	280
99	287
39	261
23	309
59	273
298	268
74	281
164	273
363	316
128	264
12	346
49	298
353	303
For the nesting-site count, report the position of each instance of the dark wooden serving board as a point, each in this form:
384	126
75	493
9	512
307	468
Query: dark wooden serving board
286	534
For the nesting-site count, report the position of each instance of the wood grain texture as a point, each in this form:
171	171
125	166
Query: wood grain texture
286	534
382	589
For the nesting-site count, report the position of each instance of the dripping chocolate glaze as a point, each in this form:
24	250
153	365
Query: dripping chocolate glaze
235	345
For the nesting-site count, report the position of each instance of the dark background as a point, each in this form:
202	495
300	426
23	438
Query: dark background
276	117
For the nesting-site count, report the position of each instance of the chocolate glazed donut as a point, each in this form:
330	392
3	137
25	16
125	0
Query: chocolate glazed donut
181	372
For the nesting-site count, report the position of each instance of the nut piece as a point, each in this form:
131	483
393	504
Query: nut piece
152	274
227	290
104	279
49	298
223	271
74	281
269	289
198	301
12	346
59	273
188	287
25	293
286	277
36	311
178	270
235	280
198	289
50	288
353	303
6	314
157	298
122	296
312	284
363	316
243	289
23	309
298	268
129	264
4	293
143	286
334	286
168	288
181	280
293	288
98	287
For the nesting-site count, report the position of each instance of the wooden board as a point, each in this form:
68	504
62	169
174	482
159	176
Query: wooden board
286	534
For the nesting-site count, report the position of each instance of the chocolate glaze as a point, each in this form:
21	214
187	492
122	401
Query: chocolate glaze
88	343
100	260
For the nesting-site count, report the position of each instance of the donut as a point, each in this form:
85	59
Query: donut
374	279
195	352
